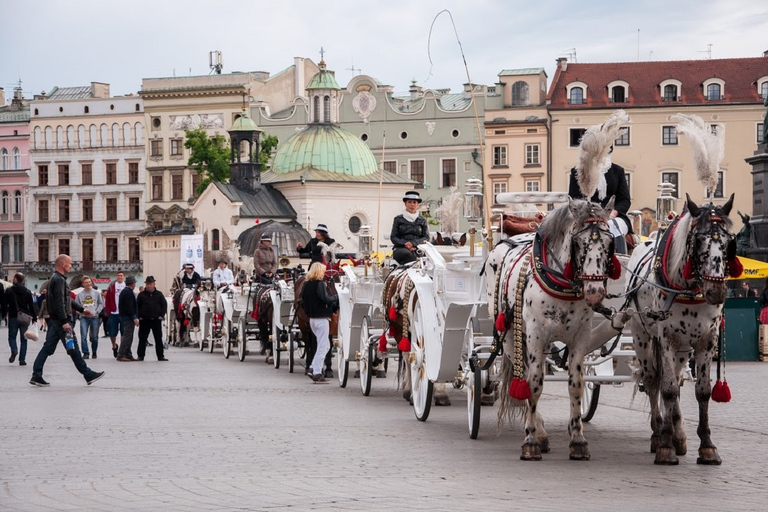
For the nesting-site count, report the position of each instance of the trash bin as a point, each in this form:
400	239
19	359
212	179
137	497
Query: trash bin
741	329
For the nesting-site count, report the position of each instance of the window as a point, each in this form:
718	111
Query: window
16	159
177	186
157	188
6	249
499	156
196	180
86	173
111	173
417	172
391	166
532	186
670	93
156	147
532	154
43	251
669	136
177	147
87	210
4	209
42	175
316	117
63	174
133	172
134	249
623	139
763	90
671	177
18	248
467	166
133	208
215	240
577	96
499	187
87	255
111	208
5	162
110	249
713	92
63	210
64	246
618	94
575	136
354	224
327	109
760	132
17	202
449	173
42	210
520	93
719	187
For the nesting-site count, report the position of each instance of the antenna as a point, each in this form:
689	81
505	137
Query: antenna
571	53
638	45
353	69
215	62
708	51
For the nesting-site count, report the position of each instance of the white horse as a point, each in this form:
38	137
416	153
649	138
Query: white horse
555	299
681	280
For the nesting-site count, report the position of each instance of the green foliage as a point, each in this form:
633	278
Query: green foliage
209	156
268	145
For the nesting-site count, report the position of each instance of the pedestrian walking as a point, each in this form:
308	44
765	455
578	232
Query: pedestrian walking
104	315
110	306
90	299
60	307
21	314
152	308
129	318
319	307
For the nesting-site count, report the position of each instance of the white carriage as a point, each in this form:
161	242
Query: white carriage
286	336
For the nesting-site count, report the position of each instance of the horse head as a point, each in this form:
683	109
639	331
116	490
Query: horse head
711	249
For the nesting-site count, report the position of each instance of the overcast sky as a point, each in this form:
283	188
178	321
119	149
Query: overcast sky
45	43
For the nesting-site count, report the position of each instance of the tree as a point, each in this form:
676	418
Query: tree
268	145
209	156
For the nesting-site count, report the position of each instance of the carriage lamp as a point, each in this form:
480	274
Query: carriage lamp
666	203
473	209
230	294
364	240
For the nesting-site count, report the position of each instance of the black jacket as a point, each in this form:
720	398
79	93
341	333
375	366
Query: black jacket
404	230
190	281
310	249
616	185
18	297
152	305
126	304
59	301
317	303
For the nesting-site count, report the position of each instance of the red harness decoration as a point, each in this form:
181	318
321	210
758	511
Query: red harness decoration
692	296
551	284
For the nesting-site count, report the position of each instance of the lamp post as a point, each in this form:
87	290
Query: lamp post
473	209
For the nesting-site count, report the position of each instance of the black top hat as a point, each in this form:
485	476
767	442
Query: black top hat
149	279
265	238
412	195
188	265
223	260
322	227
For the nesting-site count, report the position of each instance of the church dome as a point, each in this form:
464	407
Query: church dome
327	148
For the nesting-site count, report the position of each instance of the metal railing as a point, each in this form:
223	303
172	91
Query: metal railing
88	266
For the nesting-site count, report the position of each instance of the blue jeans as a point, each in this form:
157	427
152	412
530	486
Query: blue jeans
55	336
13	329
93	324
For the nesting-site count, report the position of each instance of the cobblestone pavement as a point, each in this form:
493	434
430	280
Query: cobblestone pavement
201	433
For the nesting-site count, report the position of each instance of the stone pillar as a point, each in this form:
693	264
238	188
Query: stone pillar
759	221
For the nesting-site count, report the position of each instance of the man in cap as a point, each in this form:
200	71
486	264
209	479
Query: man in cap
190	279
409	229
129	317
265	260
310	250
152	308
222	276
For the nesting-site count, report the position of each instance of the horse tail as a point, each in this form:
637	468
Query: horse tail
509	409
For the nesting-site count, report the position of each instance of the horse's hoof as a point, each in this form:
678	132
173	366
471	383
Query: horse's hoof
579	451
407	395
709	457
681	446
270	360
442	401
544	445
665	456
531	451
655	442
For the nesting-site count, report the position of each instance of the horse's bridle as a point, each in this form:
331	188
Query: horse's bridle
593	225
726	241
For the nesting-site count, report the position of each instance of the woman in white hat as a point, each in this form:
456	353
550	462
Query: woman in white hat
310	250
265	260
409	229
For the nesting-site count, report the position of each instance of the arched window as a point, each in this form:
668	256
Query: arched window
17	202
38	138
139	134
94	133
86	110
670	93
4	207
764	90
81	136
520	93
48	137
104	135
71	137
115	135
4	162
327	109
127	138
713	92
577	96
618	94
215	243
60	143
16	159
317	109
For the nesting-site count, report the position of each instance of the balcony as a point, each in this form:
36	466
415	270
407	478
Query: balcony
128	267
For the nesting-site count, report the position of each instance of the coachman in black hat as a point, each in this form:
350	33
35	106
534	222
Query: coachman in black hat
310	249
409	229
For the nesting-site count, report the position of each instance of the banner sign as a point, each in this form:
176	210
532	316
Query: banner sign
192	251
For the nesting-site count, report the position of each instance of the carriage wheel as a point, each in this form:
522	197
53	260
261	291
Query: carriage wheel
241	340
276	352
302	348
421	386
591	396
474	395
226	341
291	351
342	364
367	355
211	335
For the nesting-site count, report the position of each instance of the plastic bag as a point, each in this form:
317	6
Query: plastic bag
32	333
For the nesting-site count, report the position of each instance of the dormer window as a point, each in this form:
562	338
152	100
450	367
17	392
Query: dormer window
670	93
714	89
576	93
618	91
520	93
713	92
762	87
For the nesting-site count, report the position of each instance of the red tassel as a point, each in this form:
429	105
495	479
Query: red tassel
721	392
735	268
255	314
392	328
392	313
404	345
688	270
501	323
186	322
383	343
519	389
568	272
615	268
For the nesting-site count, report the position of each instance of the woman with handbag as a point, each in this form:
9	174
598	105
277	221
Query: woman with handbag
21	314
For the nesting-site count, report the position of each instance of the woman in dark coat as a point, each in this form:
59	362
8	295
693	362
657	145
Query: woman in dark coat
310	250
409	229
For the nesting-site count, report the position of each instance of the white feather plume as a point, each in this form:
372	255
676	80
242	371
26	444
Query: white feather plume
707	148
594	152
448	212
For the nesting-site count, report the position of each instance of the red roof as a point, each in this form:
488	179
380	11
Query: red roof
740	77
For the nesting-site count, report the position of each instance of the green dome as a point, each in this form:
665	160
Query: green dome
324	147
324	79
244	124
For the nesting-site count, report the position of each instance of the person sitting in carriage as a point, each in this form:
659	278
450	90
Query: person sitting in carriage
222	276
264	260
190	279
310	249
409	229
613	183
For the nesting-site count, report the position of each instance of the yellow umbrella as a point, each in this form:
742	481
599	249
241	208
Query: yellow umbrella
753	269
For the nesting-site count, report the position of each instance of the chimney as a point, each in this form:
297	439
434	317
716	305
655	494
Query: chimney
415	90
563	63
765	53
99	90
298	76
18	98
2	97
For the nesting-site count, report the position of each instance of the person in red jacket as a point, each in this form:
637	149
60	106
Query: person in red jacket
114	325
